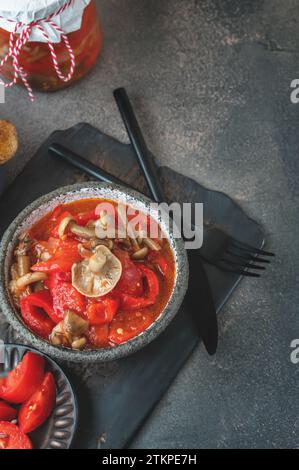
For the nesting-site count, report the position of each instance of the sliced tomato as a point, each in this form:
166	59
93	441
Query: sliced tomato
33	309
7	412
102	311
39	407
98	336
129	302
127	325
24	379
65	255
11	437
131	278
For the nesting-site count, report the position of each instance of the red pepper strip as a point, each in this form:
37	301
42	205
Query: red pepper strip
129	302
103	311
65	256
85	217
57	212
37	320
66	297
159	261
131	278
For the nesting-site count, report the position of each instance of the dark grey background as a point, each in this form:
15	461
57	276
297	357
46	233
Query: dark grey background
210	80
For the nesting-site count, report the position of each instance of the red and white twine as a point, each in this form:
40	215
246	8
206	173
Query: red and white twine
20	36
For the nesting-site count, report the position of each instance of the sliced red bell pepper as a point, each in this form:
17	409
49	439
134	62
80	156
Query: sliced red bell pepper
34	412
56	278
36	310
7	412
127	325
11	437
98	335
66	297
23	380
131	278
158	261
129	302
57	212
66	254
85	217
102	311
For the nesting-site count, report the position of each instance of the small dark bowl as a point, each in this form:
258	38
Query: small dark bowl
34	212
59	430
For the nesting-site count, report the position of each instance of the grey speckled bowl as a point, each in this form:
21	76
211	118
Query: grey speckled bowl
42	206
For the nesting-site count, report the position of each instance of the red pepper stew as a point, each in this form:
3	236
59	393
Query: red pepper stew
52	303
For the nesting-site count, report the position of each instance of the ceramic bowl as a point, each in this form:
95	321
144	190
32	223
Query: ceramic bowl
41	207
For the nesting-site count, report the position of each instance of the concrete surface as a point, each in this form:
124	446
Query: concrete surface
210	80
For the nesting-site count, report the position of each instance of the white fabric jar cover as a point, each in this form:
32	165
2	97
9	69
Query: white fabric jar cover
27	11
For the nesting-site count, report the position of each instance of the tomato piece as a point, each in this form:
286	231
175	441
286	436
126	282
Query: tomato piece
7	412
131	278
11	437
158	261
33	308
85	217
129	302
24	379
127	325
39	407
66	297
102	311
98	336
65	255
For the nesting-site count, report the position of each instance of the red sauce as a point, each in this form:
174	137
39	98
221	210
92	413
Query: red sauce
36	59
132	306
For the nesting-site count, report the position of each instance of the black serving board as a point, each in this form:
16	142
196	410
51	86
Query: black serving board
115	398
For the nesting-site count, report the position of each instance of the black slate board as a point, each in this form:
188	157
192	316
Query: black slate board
115	399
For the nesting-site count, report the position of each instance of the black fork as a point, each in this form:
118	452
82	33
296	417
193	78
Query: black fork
232	255
219	248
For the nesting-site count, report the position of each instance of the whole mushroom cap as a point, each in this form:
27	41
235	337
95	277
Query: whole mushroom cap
98	275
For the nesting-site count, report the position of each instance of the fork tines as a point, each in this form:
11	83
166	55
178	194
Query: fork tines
242	258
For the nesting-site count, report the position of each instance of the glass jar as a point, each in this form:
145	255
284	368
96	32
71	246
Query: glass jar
36	60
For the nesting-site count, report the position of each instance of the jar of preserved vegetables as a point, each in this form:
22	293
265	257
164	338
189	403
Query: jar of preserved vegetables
48	44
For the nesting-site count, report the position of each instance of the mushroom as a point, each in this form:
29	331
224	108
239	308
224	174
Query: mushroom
97	275
69	332
151	244
30	278
78	230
